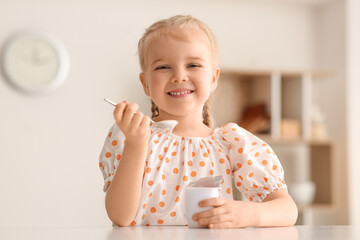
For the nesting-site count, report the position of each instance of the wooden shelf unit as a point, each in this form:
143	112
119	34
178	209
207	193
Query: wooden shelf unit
287	94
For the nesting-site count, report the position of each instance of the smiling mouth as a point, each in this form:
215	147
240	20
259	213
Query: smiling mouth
180	93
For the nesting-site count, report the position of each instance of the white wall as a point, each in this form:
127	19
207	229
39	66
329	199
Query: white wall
50	144
353	109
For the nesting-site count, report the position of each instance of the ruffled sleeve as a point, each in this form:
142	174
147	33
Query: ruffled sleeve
257	170
111	154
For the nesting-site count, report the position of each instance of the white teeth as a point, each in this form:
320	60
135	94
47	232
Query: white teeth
179	93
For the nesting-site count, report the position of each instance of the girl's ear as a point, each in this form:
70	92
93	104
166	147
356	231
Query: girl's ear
215	78
144	83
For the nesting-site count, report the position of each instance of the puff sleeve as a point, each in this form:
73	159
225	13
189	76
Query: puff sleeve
257	170
111	154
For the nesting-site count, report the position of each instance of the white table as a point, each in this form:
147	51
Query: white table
181	232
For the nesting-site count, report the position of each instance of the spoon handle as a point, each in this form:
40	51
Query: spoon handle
114	104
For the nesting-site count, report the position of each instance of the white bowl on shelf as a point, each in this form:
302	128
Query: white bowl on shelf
303	192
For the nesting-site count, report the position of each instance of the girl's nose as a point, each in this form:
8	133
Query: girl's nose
180	76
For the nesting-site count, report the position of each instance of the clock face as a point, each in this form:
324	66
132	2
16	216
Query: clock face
35	62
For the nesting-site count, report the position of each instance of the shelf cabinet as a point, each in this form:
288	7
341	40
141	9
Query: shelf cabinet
286	97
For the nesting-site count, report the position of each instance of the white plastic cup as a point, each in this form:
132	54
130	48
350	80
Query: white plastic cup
193	195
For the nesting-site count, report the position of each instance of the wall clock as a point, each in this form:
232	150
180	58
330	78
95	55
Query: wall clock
35	62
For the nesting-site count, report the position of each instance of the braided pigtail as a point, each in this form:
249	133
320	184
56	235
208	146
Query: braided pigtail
154	110
206	114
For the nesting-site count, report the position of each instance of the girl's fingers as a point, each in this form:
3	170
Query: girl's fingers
119	111
136	120
209	213
221	225
129	113
218	219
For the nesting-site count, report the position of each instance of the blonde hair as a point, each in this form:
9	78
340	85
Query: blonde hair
164	27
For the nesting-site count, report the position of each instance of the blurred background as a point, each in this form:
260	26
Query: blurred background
290	66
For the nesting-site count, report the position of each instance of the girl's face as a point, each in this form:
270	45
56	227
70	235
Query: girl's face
180	73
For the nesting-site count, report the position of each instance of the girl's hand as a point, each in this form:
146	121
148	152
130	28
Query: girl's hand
226	213
135	126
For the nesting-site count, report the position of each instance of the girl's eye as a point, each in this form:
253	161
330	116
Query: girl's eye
162	67
193	65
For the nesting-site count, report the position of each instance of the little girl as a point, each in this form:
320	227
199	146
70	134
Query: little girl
146	167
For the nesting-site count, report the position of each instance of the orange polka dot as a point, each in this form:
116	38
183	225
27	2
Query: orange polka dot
193	173
253	143
175	170
159	134
156	141
153	210
239	165
201	146
219	150
228	190
143	217
114	143
251	199
274	167
228	171
240	150
264	162
264	144
266	179
265	188
150	194
176	143
202	164
177	187
177	199
165	149
249	162
193	154
110	133
173	153
148	170
255	186
100	164
238	184
184	148
118	157
185	178
237	139
211	172
160	221
251	174
268	151
190	163
161	204
108	154
150	183
257	154
167	160
133	223
210	142
163	177
158	168
163	192
173	214
206	155
233	129
151	151
241	177
160	157
144	206
190	141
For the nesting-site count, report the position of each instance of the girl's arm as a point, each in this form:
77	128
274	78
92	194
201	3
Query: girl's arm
277	209
123	194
